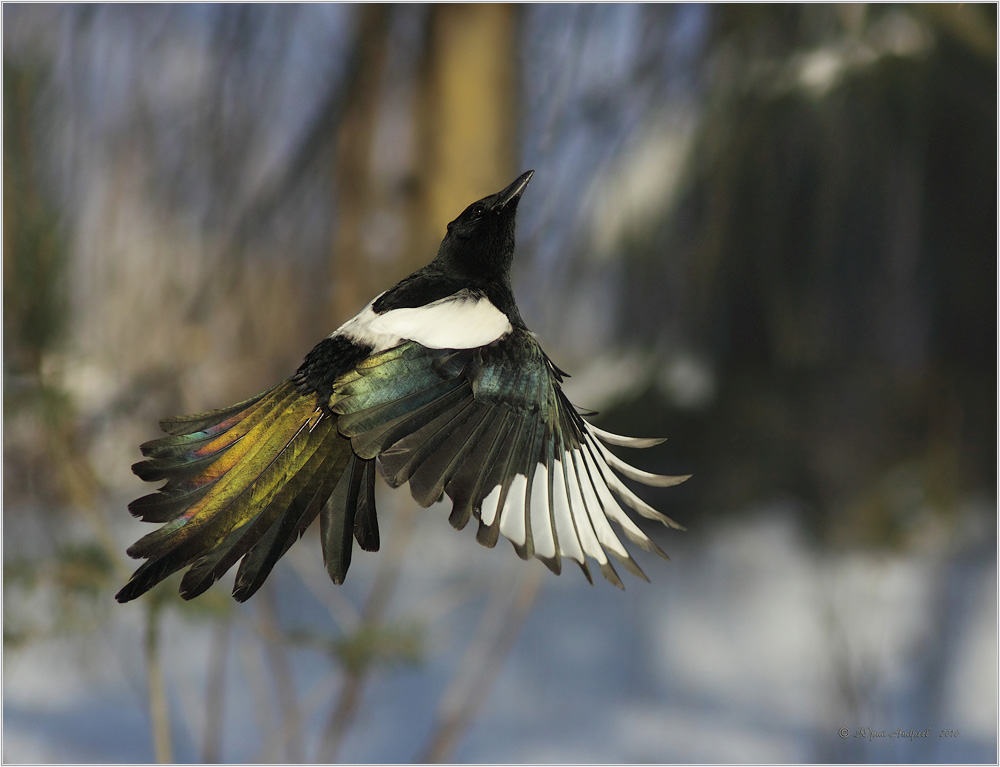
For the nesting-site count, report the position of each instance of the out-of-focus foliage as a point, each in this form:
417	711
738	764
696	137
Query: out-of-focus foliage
32	269
768	232
831	260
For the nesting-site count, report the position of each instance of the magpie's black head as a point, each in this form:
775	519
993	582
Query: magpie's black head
480	242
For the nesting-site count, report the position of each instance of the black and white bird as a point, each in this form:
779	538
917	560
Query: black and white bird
440	381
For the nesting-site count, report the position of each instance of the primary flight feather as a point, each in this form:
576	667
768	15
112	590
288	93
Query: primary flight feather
439	380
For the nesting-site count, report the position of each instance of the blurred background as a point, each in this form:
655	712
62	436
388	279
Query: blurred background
768	232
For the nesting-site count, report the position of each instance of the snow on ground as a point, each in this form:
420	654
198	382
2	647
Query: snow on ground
749	646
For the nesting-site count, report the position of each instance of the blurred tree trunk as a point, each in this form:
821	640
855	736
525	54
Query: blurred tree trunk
467	111
33	262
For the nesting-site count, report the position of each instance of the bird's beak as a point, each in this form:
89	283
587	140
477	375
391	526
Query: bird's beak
514	191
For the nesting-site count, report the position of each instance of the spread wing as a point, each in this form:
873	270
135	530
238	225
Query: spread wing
491	428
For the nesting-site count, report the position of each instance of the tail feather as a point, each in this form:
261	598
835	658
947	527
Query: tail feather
181	459
264	555
209	519
165	505
210	567
179	470
212	419
337	520
245	484
365	521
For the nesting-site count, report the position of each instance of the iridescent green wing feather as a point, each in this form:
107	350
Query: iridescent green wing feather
243	482
491	428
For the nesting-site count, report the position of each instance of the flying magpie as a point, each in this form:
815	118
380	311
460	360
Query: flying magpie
440	381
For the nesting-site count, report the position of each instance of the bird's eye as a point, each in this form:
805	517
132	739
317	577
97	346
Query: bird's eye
478	209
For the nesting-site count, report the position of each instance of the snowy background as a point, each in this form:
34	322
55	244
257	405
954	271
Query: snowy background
748	646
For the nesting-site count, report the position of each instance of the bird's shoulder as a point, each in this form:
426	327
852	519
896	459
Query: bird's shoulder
514	371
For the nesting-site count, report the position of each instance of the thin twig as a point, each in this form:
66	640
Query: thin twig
275	643
471	683
311	702
254	671
316	581
211	752
386	578
159	712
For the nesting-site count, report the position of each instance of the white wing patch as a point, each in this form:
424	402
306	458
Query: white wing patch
571	502
461	321
490	503
512	516
540	515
